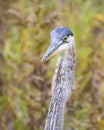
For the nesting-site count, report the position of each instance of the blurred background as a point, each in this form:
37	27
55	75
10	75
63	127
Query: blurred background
25	83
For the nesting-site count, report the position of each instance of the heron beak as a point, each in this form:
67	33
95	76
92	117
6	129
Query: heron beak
51	51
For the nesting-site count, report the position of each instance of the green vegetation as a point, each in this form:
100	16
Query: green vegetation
25	83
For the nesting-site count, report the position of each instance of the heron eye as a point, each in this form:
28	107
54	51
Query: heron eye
65	38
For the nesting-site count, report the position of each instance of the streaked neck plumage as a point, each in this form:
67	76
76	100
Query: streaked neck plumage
62	87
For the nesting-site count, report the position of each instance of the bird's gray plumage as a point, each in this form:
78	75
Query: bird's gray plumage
60	32
63	80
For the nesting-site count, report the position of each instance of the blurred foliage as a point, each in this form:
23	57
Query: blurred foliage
25	83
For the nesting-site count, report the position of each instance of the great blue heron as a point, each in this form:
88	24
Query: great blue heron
62	44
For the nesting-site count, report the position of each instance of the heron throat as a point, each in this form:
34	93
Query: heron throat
62	87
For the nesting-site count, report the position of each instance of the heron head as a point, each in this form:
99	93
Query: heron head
61	39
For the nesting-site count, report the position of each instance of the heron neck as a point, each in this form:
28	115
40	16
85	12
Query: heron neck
62	87
65	71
